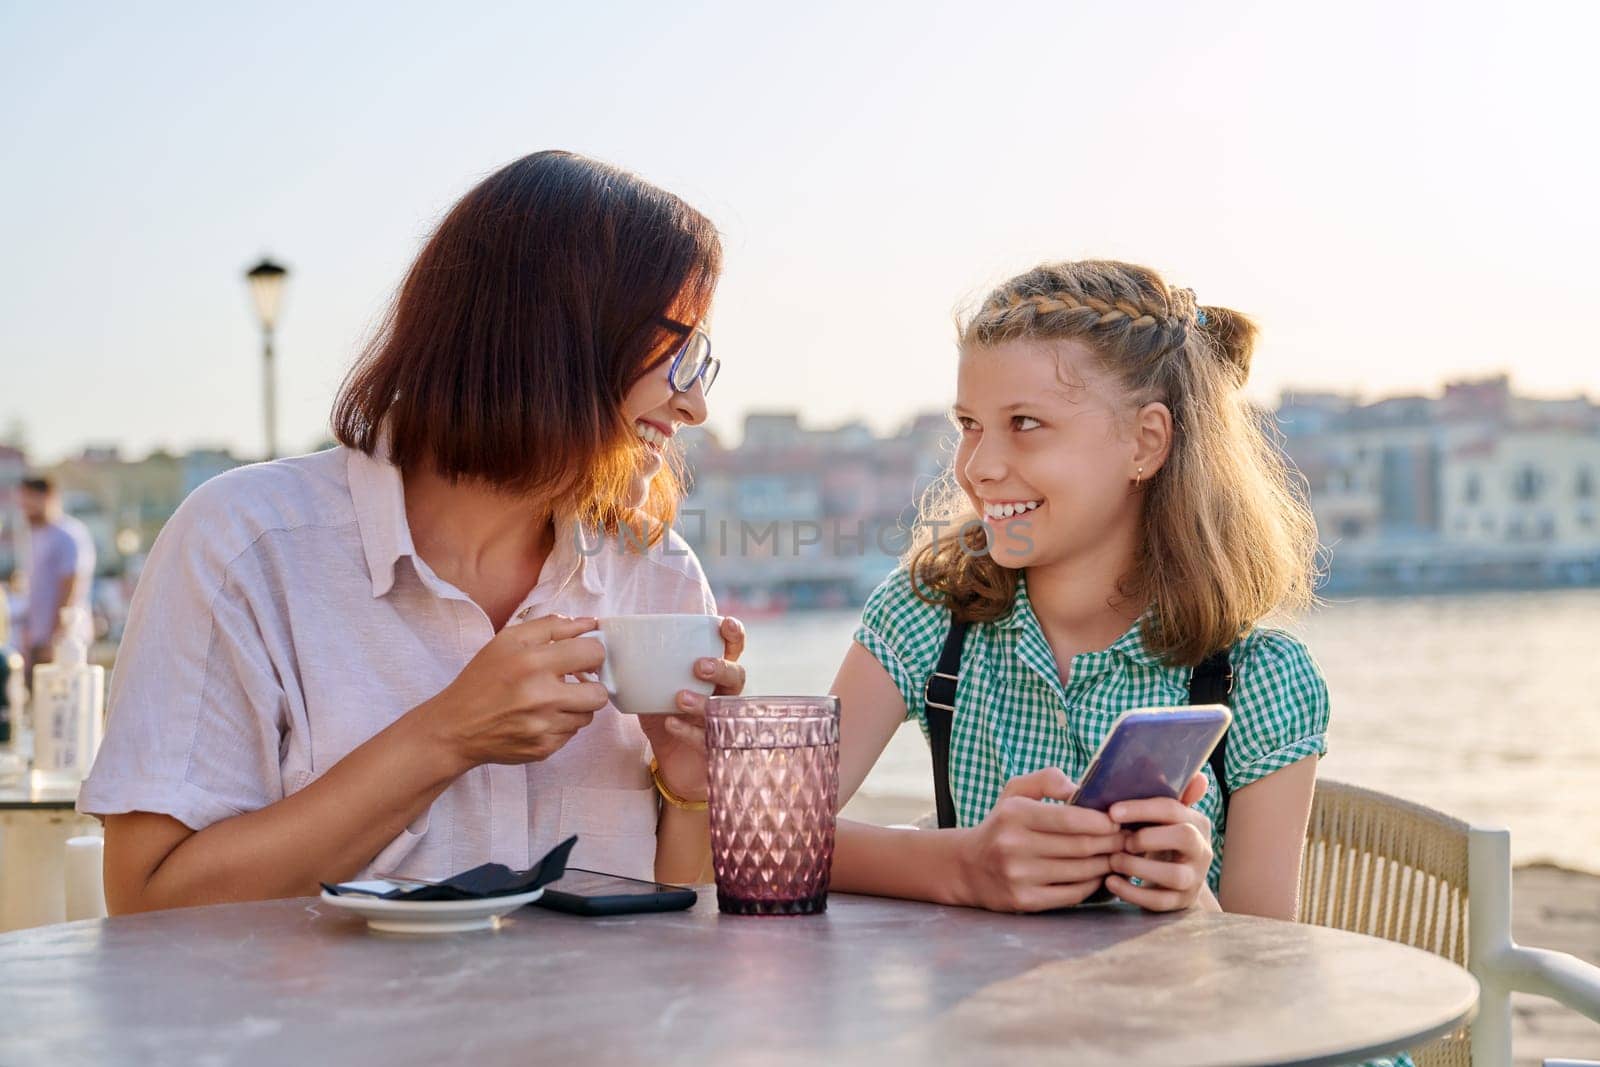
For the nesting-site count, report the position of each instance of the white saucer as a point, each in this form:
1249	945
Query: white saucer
430	916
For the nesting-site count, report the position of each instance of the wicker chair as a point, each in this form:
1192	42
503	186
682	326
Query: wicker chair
1378	865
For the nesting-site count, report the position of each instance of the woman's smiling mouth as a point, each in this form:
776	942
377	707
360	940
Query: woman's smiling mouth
654	437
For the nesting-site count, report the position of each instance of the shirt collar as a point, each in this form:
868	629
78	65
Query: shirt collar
571	554
378	493
1129	646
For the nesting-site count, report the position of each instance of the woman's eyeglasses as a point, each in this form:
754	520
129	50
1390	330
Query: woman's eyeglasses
693	361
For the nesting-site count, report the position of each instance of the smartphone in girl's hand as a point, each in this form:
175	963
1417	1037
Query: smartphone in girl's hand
1151	752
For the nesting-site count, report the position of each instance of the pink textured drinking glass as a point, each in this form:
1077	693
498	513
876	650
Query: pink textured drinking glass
774	785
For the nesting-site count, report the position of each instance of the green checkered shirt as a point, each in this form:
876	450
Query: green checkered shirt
1014	716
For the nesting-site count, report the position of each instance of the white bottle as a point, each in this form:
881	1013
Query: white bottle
68	702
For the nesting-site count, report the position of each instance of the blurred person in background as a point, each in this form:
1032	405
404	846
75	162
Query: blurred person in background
59	573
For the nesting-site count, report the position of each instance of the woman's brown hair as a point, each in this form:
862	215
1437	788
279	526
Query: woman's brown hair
544	294
1227	536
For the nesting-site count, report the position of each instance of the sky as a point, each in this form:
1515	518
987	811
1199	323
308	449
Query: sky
1399	193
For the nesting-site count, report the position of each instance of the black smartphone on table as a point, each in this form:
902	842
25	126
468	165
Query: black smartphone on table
581	892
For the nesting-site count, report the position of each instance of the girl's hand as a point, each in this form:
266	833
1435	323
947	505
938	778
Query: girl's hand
1030	855
679	741
1171	858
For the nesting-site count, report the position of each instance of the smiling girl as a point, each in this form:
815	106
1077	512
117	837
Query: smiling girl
1121	518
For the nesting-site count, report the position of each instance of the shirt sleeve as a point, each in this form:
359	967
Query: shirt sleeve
1280	707
198	712
69	556
905	634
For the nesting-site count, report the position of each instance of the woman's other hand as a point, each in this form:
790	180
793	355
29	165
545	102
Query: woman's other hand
679	741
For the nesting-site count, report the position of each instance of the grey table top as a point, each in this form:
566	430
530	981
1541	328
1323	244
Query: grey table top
871	982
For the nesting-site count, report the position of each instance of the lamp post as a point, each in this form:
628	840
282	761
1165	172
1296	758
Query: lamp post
266	286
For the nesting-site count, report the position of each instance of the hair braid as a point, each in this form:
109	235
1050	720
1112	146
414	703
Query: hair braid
1065	300
1226	535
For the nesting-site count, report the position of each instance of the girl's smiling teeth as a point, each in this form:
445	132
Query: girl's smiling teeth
998	510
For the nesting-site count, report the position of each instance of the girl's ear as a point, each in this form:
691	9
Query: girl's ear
1152	440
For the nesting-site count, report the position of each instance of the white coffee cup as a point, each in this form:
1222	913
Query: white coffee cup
650	658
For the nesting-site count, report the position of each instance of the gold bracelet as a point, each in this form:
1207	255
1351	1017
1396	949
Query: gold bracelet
668	795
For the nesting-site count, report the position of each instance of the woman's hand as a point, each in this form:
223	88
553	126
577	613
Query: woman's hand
1030	855
513	703
679	741
1171	857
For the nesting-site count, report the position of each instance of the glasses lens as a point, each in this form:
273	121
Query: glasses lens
712	367
690	361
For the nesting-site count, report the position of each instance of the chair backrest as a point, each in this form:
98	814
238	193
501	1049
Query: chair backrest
1375	864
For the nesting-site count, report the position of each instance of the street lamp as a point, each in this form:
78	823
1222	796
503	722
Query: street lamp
266	286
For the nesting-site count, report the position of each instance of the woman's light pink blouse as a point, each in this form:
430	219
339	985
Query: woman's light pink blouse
284	617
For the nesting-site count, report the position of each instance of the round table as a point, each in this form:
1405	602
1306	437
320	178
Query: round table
871	982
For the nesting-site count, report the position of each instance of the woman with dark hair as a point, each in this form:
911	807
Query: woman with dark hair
369	659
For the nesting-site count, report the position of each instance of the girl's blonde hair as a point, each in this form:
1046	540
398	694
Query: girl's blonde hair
1227	536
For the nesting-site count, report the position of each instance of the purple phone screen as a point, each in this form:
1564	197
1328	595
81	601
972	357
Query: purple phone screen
1150	756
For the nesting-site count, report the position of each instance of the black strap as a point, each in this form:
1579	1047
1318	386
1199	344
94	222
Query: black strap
940	700
1211	683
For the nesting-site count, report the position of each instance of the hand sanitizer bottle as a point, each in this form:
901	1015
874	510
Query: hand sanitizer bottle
68	701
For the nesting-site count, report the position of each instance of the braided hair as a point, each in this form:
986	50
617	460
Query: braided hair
1227	538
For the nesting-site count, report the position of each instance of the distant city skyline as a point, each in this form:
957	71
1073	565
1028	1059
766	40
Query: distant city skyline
729	432
1395	193
1478	486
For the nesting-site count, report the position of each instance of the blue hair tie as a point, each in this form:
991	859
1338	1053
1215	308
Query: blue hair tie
1200	315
